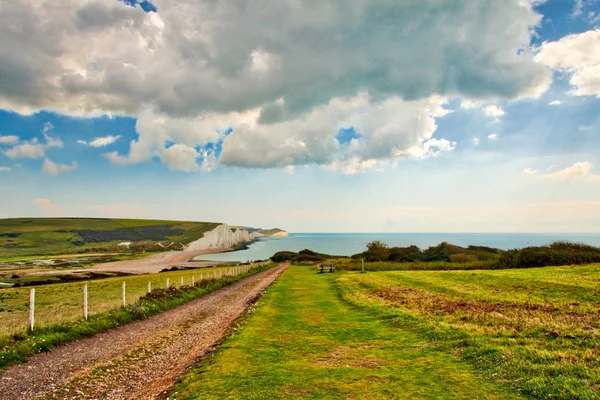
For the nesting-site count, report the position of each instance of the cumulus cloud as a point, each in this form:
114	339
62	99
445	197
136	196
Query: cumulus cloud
584	128
52	168
47	207
577	170
322	55
5	169
555	103
493	136
475	141
33	148
180	157
579	55
390	129
100	141
494	112
321	51
9	140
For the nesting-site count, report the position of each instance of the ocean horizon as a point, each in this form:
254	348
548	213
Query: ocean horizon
346	244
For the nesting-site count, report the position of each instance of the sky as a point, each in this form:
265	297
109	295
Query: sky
311	116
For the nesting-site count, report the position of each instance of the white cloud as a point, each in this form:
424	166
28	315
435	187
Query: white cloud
52	168
47	127
180	157
577	170
494	112
555	103
475	141
33	148
577	9
579	55
493	136
391	129
100	141
10	140
584	128
5	169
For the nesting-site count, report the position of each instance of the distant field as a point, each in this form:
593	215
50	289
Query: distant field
21	237
303	341
537	331
57	303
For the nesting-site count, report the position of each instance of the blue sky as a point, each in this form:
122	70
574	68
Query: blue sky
482	116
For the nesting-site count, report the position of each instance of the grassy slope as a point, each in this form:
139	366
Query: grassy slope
60	303
535	330
56	235
304	342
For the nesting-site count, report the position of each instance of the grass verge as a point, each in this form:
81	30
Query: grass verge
301	340
535	331
16	348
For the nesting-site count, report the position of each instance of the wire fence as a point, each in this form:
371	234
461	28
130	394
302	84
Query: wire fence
32	307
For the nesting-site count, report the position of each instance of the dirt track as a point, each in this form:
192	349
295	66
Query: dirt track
139	360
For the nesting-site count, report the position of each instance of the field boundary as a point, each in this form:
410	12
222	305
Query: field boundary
18	347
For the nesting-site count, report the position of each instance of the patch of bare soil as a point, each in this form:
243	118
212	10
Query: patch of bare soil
138	360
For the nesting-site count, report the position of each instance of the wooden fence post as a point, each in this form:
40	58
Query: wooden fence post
220	273
200	275
167	284
31	308
123	302
193	280
85	302
363	264
181	281
149	287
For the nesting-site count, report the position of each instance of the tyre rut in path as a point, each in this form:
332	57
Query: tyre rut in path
138	360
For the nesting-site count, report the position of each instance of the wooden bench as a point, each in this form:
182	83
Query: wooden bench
323	267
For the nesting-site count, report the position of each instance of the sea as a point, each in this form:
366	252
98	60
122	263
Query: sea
346	244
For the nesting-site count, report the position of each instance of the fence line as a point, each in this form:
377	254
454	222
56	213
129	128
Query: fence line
85	299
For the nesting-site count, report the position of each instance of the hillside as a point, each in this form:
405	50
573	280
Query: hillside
39	236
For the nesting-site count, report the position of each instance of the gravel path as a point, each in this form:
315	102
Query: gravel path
139	360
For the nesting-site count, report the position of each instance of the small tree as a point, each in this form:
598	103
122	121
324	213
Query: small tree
378	251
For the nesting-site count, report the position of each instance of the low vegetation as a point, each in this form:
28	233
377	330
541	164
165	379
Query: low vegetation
302	341
535	331
58	309
445	256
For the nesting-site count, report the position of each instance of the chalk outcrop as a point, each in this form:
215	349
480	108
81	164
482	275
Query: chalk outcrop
280	233
222	237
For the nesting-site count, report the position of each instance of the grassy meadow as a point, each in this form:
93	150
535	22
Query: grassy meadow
536	331
17	347
58	303
303	341
22	237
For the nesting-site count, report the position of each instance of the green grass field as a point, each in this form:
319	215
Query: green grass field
59	303
303	341
21	237
536	331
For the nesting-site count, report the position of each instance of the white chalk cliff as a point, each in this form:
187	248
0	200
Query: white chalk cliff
222	237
